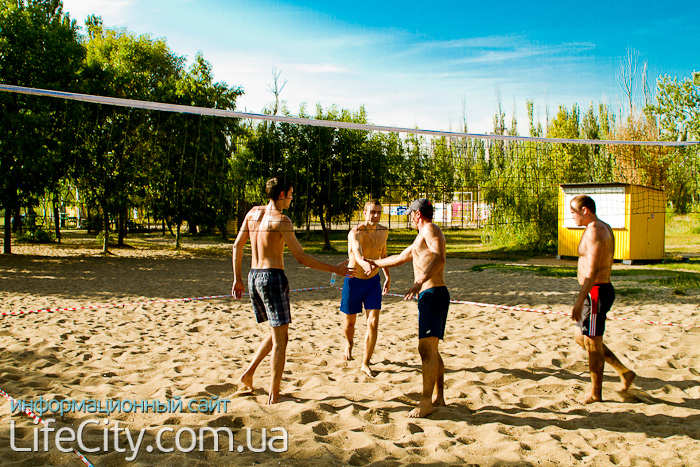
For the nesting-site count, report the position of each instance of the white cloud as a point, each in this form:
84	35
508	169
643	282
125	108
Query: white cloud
112	11
318	68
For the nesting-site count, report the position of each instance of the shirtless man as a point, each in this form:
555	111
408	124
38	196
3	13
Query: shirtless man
596	295
428	255
269	230
368	240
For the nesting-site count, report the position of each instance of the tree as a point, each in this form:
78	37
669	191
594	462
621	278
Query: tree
677	110
38	48
334	170
572	159
116	149
201	178
520	188
626	75
641	165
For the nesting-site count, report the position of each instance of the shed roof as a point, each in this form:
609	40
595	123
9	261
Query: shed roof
602	185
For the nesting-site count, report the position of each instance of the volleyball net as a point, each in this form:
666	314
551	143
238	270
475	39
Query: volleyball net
158	164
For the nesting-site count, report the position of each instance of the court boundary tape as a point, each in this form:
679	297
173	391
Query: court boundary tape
31	414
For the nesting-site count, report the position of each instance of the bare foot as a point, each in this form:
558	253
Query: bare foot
626	379
278	398
368	371
423	410
347	354
591	399
439	402
247	381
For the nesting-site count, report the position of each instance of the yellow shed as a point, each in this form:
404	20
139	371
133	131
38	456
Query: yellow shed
637	215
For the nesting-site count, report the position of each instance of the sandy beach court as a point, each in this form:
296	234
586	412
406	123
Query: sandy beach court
513	378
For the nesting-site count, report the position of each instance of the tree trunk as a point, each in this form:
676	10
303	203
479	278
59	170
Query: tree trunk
121	227
17	218
56	220
177	237
7	246
326	234
105	226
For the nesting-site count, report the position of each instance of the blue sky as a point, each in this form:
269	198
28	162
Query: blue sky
420	64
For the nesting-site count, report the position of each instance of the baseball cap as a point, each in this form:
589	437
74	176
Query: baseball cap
423	206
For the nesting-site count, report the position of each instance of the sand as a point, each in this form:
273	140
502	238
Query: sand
512	378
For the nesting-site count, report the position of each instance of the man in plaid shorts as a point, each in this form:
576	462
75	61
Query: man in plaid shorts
268	231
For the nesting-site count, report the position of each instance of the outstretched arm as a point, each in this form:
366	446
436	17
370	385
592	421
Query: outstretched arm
238	288
307	260
394	260
387	274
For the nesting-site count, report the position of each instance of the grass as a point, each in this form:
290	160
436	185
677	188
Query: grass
679	281
682	233
548	271
631	292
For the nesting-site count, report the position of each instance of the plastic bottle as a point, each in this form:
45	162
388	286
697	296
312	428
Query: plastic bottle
333	277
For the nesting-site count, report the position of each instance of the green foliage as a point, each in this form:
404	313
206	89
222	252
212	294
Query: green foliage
176	164
677	110
678	107
547	271
101	239
681	280
35	236
334	170
39	48
115	145
521	189
630	292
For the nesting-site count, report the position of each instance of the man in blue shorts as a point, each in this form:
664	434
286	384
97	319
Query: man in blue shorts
428	255
595	296
368	240
269	230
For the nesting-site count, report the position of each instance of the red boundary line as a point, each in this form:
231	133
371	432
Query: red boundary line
43	422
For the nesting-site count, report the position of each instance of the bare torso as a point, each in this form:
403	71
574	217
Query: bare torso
266	242
422	253
596	251
372	243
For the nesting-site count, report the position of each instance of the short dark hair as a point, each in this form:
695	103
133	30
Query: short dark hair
581	201
277	185
372	202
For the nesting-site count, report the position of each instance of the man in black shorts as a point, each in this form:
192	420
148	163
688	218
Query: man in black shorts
595	296
269	230
428	255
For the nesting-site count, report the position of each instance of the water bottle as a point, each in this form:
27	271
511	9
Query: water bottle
333	277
